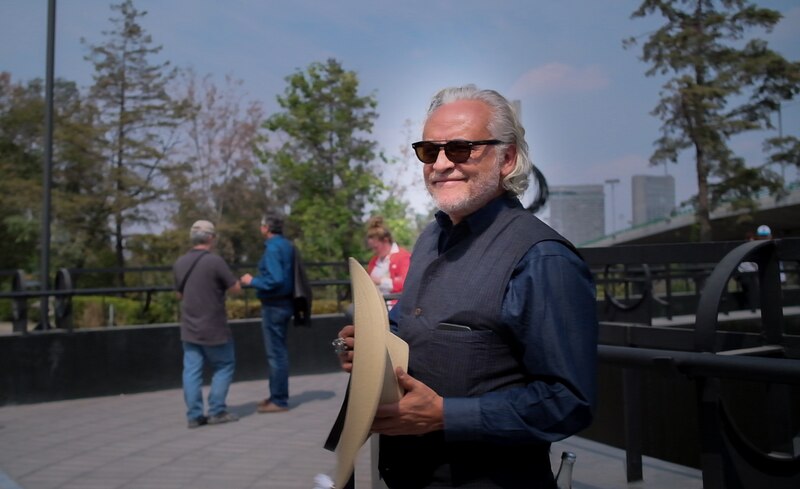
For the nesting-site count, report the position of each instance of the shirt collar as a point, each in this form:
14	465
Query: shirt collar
479	220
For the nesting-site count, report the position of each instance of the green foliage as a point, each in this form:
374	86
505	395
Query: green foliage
784	150
394	212
5	310
77	216
702	47
324	167
161	249
96	311
21	113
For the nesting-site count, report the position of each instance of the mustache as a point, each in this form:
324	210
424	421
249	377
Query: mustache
437	176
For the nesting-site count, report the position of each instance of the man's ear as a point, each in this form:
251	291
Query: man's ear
509	160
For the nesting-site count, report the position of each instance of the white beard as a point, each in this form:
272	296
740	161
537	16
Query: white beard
483	188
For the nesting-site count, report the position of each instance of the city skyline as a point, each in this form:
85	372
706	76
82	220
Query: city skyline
578	212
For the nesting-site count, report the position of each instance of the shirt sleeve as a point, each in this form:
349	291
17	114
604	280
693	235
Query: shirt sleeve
271	276
226	276
549	307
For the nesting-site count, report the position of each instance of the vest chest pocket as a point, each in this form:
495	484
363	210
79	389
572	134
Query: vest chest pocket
463	363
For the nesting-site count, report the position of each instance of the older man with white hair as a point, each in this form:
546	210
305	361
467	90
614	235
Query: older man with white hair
498	311
202	279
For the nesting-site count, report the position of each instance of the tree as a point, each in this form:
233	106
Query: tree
138	118
224	181
21	116
78	220
323	166
392	202
720	87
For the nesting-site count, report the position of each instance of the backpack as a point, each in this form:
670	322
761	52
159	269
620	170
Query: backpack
301	295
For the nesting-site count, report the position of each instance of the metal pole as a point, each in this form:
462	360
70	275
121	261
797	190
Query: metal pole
612	182
780	136
48	162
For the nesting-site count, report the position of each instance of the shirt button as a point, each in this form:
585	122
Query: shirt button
417	312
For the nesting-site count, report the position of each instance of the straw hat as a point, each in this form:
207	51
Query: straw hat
376	353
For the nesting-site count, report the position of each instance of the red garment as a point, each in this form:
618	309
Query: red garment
398	268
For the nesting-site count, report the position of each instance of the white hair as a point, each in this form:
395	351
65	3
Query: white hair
504	125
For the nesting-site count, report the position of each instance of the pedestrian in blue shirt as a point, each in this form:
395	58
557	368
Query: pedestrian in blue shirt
498	311
275	284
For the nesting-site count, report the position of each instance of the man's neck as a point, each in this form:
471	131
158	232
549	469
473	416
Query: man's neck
205	247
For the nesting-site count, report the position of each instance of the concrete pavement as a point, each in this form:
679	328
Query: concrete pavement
140	441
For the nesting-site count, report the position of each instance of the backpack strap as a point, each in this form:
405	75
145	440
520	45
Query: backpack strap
189	272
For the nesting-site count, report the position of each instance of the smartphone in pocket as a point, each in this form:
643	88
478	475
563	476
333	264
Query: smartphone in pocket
453	327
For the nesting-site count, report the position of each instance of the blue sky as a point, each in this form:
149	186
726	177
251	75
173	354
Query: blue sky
585	100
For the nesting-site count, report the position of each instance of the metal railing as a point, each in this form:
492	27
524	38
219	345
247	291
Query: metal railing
769	355
66	280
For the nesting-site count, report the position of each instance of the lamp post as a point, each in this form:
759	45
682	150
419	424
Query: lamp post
780	137
47	165
613	182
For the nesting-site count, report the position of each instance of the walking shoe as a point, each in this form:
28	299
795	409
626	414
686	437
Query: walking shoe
270	407
197	422
223	417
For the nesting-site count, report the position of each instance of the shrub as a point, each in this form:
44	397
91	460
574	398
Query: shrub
5	310
95	311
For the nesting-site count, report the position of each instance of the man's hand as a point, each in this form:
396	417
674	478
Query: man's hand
246	279
419	411
346	358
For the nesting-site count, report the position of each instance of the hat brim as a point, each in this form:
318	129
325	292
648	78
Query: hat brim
376	353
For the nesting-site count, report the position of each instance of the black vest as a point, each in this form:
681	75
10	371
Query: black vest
465	285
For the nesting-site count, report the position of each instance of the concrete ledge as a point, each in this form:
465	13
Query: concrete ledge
55	365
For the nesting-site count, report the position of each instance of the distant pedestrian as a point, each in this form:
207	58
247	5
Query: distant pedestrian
275	287
388	266
201	280
747	276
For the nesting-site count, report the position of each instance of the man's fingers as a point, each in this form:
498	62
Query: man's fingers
406	381
387	410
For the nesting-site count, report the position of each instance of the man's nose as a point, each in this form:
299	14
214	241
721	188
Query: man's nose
442	162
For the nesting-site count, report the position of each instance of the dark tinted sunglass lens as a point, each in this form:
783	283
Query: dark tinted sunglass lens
457	151
427	152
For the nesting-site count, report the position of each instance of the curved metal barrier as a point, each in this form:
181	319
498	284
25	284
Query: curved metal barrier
728	457
763	253
645	295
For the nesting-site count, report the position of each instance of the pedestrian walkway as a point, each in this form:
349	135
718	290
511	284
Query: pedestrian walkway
140	441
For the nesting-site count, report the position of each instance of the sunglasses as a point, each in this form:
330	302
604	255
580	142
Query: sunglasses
457	151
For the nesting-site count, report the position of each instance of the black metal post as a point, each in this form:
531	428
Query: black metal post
44	281
632	400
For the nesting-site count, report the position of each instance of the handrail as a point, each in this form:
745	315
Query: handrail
694	364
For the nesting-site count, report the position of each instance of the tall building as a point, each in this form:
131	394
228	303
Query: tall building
653	197
578	212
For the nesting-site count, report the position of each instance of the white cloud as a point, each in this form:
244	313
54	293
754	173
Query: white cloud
559	78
